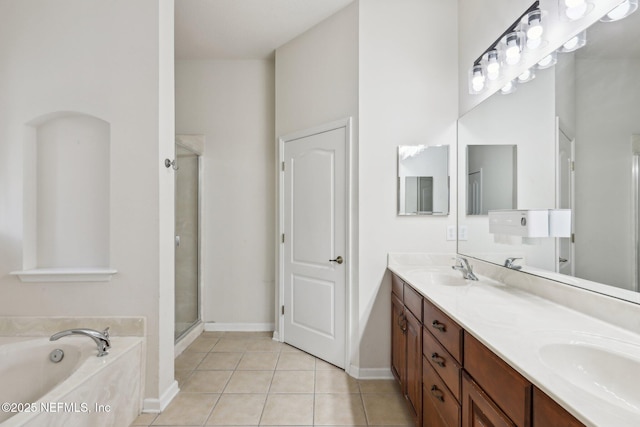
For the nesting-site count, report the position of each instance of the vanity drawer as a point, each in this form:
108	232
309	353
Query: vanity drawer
442	362
508	389
396	286
446	331
439	396
413	301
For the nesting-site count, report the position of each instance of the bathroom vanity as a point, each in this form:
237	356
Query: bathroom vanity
481	353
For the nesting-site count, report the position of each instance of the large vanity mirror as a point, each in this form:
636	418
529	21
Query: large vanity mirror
423	180
576	128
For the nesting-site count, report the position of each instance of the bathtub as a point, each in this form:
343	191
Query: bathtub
79	391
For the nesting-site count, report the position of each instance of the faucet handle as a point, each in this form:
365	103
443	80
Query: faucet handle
106	332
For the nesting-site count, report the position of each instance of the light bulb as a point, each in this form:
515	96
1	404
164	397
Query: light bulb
576	9
546	62
493	66
508	88
477	82
525	76
534	24
624	9
571	44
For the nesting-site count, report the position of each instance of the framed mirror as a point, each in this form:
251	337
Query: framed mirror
576	127
423	180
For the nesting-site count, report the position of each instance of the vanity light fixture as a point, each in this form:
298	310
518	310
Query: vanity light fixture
492	64
533	28
477	79
548	61
574	9
510	87
574	43
512	47
624	9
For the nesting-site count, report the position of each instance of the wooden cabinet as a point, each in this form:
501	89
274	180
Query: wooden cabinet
451	379
406	343
547	413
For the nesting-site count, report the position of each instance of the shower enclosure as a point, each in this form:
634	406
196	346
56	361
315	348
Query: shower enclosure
187	233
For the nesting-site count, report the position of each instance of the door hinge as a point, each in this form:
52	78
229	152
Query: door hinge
282	166
573	237
573	166
283	309
282	237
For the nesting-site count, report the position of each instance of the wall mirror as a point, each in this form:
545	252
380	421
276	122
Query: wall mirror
576	127
423	180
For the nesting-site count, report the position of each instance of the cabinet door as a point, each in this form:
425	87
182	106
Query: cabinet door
398	342
414	363
546	412
478	410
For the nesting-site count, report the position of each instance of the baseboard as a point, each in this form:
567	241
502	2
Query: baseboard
238	327
155	406
370	373
188	339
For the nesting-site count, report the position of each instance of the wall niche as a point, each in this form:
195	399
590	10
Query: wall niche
66	199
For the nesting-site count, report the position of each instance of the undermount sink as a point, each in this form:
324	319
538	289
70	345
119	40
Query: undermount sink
440	276
608	369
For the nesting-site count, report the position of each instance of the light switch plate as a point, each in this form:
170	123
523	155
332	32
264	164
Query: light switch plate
463	232
451	232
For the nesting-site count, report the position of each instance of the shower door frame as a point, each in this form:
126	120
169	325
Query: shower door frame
195	144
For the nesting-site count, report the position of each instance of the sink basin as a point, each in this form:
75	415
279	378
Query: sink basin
440	276
607	369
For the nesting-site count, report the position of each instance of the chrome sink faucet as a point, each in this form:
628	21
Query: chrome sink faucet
101	339
463	266
510	263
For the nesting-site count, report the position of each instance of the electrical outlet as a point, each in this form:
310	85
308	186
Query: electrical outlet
463	232
451	232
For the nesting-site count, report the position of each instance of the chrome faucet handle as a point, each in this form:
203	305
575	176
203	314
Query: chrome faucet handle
106	332
510	263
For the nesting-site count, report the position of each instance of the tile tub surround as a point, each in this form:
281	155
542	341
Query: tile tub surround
243	378
514	322
24	326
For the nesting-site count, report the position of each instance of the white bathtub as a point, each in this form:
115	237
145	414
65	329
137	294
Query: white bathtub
80	391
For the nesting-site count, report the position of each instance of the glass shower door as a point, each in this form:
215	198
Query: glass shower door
187	307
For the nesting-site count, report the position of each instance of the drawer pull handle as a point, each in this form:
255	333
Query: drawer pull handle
439	326
438	360
438	394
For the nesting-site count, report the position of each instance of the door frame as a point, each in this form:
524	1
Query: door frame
280	333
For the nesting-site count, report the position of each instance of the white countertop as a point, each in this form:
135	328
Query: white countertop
520	326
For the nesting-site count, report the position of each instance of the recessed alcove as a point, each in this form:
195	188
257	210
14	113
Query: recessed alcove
66	199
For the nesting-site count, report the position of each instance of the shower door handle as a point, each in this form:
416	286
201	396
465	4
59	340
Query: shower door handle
177	241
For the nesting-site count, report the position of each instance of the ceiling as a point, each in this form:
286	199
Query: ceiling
244	29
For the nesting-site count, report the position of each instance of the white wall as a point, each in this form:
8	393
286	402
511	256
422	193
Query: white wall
232	103
105	59
408	92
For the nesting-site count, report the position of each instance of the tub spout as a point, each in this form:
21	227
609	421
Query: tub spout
101	339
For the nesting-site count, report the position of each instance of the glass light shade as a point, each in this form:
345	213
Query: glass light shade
574	43
548	61
512	48
508	88
492	64
624	9
527	76
533	27
477	79
574	9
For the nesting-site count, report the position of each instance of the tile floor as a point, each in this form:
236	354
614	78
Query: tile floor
247	379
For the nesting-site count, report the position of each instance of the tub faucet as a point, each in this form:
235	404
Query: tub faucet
463	266
101	339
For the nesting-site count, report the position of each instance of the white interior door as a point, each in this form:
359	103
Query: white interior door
315	243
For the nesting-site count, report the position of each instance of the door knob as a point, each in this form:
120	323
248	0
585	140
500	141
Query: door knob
177	241
339	260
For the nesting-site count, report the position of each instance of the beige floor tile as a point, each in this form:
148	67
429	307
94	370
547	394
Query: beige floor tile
335	382
339	409
182	376
144	419
379	386
188	360
238	409
249	382
258	361
212	334
288	409
264	344
386	409
286	348
220	361
202	344
321	365
293	382
207	382
248	335
187	409
230	344
296	362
